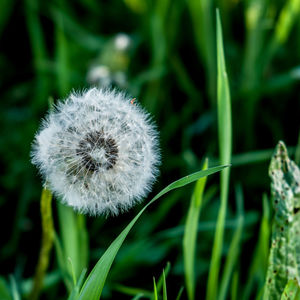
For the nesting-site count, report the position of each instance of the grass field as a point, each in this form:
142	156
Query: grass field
221	81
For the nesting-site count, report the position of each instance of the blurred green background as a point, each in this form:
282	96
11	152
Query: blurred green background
163	53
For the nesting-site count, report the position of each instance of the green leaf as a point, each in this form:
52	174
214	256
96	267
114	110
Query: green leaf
190	234
225	132
291	291
284	260
70	242
93	286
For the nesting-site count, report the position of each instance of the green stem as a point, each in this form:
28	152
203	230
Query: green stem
47	243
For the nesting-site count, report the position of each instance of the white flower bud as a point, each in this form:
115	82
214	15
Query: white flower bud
98	152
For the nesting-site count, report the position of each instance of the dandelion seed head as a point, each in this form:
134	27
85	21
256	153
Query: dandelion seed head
98	152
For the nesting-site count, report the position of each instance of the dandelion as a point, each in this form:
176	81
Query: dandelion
98	152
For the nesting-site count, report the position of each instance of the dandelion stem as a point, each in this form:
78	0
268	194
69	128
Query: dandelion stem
47	243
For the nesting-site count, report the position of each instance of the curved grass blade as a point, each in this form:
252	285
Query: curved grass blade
94	284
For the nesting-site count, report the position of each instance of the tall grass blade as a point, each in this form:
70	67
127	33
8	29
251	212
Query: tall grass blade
224	123
190	235
93	286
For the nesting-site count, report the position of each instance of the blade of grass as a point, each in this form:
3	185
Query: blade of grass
224	124
93	286
154	290
161	278
234	248
165	297
180	293
190	235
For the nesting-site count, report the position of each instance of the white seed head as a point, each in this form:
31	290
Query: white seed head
98	151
